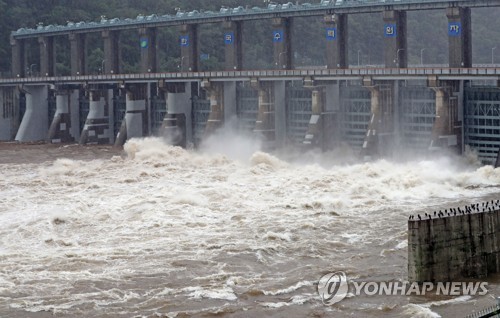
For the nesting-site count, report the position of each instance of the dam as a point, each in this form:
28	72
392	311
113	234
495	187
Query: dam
375	110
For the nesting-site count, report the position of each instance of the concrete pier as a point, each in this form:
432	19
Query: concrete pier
233	45
280	109
47	56
314	135
173	129
112	58
395	48
452	247
34	125
97	125
60	129
215	92
265	125
371	141
18	61
189	47
78	53
135	122
282	40
443	131
460	37
149	47
179	113
336	40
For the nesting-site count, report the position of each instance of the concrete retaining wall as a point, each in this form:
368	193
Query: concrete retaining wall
447	248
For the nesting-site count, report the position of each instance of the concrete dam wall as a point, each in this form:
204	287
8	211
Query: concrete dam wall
454	243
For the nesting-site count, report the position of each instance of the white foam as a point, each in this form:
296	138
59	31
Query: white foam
454	300
289	289
418	311
202	216
198	292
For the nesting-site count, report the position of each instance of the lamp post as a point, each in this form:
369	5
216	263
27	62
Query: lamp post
422	56
493	56
359	51
182	60
397	57
279	60
31	69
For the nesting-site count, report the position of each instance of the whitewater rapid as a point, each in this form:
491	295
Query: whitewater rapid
163	231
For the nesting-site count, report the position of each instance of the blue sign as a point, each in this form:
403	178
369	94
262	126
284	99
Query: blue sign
144	43
390	30
331	34
229	38
184	40
278	36
454	28
204	56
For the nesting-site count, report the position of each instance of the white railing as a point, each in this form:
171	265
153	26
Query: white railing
491	72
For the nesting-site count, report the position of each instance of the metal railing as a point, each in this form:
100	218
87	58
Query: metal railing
245	13
493	311
474	72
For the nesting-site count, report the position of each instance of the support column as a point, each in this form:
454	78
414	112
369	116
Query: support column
330	116
135	122
74	111
459	37
34	125
112	58
396	51
336	41
265	123
149	47
282	39
314	134
177	125
444	134
396	111
78	54
215	92
233	44
230	101
280	113
173	128
370	145
47	57
60	128
18	65
189	47
97	128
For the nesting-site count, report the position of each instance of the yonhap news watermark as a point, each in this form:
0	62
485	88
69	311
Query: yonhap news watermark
334	287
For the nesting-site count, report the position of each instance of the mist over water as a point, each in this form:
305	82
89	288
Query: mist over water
231	142
227	230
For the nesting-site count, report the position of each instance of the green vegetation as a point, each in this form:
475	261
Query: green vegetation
427	34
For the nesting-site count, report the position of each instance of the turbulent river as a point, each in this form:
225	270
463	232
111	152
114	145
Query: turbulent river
159	231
